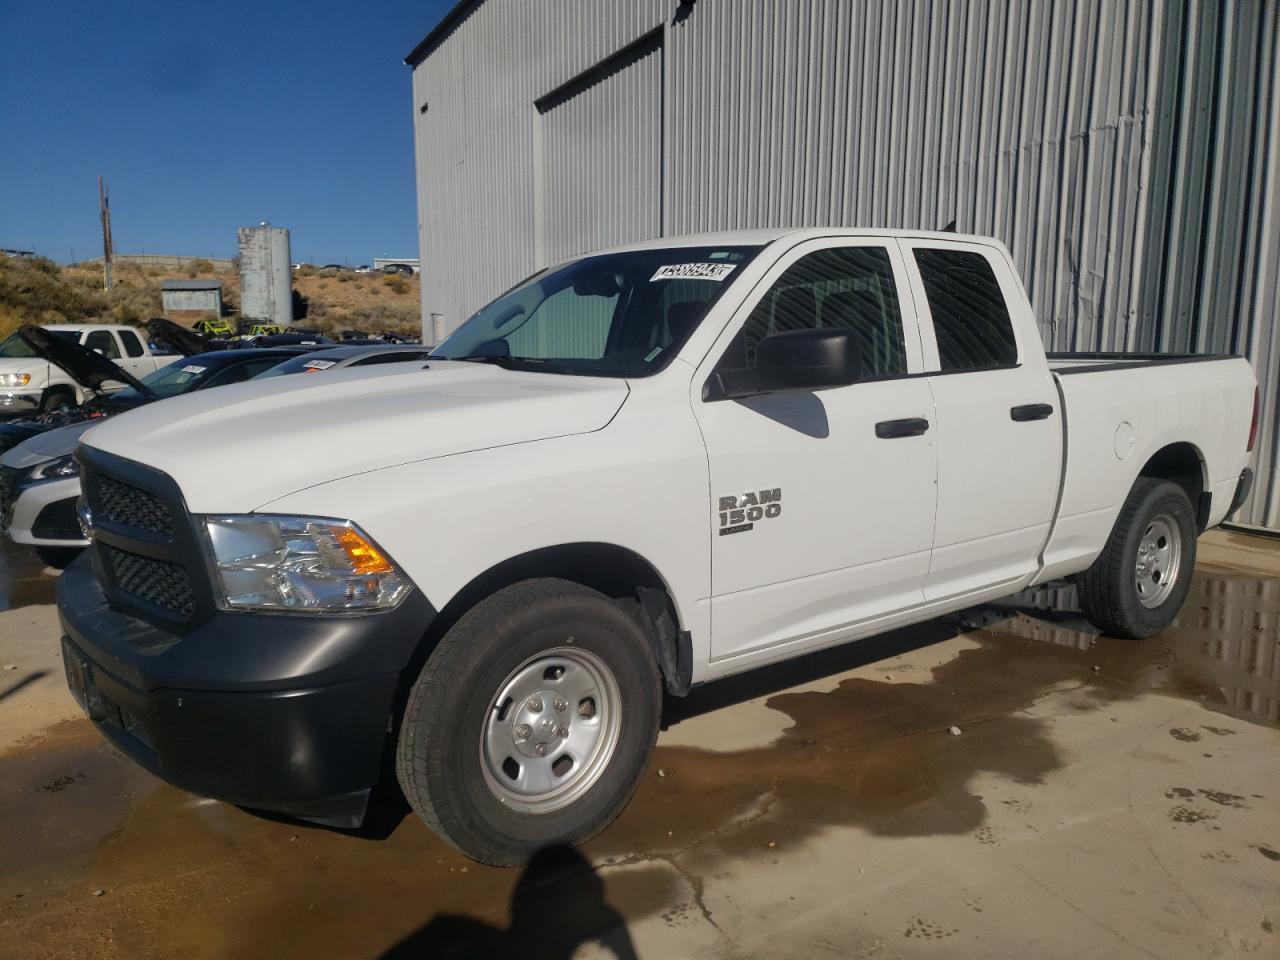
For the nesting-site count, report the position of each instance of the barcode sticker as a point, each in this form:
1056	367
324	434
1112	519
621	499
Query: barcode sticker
694	271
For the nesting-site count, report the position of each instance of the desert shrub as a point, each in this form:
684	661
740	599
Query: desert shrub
328	273
306	270
201	266
396	283
344	277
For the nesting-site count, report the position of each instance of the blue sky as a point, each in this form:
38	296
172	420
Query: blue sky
206	117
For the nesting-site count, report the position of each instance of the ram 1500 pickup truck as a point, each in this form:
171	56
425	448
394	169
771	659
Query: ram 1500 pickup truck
642	469
30	383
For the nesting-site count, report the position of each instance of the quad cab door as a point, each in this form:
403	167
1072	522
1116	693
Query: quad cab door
999	423
822	502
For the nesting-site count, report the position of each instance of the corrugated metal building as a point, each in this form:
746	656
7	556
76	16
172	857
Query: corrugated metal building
1127	151
192	296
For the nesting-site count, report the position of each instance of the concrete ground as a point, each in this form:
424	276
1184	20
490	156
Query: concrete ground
1096	798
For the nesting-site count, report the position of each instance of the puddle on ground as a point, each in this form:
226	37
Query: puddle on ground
1224	646
185	877
24	579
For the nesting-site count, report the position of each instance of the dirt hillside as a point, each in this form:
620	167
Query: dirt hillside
40	291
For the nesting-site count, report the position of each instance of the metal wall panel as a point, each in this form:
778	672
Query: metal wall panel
1125	150
600	168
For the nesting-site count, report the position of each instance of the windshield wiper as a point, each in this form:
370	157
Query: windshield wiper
500	360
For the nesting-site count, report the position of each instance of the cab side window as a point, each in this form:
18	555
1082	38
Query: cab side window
840	288
104	341
132	345
970	319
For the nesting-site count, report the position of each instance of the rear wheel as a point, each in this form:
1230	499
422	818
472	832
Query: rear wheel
531	722
1139	582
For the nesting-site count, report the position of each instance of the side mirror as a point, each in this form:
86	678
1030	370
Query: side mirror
797	360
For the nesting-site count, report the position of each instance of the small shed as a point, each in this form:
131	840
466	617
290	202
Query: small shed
191	297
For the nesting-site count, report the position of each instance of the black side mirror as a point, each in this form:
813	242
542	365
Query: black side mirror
797	360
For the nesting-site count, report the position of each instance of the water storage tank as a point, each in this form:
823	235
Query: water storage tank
266	291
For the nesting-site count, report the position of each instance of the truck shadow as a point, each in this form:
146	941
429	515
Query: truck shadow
557	906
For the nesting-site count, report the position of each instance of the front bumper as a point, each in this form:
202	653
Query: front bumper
43	514
19	402
281	712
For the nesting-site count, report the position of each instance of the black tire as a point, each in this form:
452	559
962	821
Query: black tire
439	756
58	557
56	398
1109	589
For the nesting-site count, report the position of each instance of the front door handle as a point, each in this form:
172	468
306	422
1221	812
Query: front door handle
1031	411
910	427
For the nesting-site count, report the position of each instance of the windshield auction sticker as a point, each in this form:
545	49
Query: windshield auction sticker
192	368
318	364
694	271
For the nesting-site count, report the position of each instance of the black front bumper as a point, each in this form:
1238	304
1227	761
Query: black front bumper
280	712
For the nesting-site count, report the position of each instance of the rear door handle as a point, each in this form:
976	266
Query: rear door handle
1031	411
910	427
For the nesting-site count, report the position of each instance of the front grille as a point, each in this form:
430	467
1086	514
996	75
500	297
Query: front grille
157	582
126	505
8	490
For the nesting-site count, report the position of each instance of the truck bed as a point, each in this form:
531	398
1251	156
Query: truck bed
1093	362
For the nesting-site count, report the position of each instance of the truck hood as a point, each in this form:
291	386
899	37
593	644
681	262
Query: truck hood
182	339
85	366
237	448
46	446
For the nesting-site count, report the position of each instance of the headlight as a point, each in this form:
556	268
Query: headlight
14	379
54	469
305	564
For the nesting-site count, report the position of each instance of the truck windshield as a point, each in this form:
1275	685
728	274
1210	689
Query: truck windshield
14	346
613	315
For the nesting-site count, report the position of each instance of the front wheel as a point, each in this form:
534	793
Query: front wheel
531	722
1139	582
56	398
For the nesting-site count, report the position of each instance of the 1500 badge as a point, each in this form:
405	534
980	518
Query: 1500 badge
738	514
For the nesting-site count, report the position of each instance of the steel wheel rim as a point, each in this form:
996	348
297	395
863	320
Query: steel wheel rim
1159	561
550	730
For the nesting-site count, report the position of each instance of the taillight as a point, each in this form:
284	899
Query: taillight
1253	424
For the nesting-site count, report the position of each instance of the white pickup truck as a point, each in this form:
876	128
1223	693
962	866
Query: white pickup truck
654	466
30	384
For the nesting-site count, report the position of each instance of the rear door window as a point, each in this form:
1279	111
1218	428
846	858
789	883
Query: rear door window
970	318
103	341
132	345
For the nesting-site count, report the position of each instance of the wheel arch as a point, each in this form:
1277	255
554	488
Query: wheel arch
618	572
1183	463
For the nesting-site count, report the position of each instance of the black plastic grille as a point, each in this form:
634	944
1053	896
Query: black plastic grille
58	521
128	506
157	582
8	490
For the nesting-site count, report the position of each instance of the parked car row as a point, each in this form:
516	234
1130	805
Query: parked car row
30	383
39	476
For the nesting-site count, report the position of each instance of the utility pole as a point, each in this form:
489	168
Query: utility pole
104	214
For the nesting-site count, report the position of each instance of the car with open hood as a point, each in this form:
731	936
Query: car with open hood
40	478
34	372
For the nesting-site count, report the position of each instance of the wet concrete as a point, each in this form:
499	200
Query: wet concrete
24	579
1103	798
